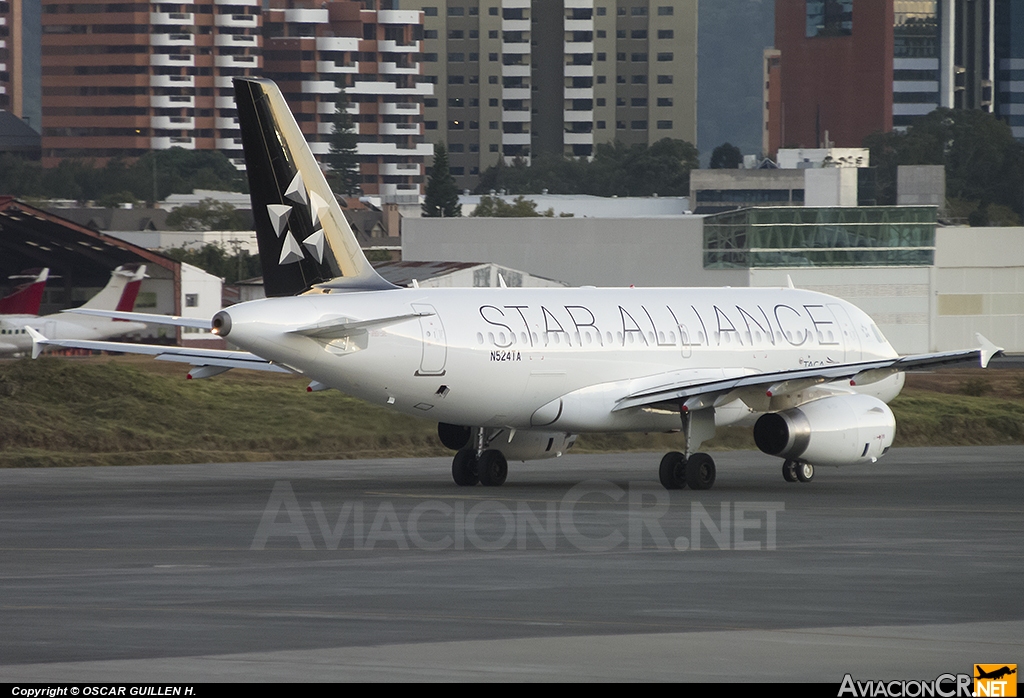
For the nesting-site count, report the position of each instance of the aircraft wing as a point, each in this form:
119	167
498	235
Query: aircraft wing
151	318
693	395
197	357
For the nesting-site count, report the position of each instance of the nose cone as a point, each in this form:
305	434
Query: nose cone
222	324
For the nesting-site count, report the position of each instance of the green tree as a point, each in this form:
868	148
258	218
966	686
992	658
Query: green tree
984	163
494	207
342	161
441	199
217	261
208	214
726	157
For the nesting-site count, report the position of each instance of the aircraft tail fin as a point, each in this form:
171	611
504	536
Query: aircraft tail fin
303	237
123	285
26	298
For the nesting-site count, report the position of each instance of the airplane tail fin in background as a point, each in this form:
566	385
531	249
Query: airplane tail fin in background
26	298
121	290
302	233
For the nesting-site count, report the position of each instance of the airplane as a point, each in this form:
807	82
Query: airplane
27	297
517	373
118	295
995	674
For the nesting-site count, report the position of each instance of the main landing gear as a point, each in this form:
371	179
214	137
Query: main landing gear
489	469
794	471
696	472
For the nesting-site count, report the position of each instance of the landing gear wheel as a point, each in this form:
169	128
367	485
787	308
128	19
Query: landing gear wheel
700	471
492	468
804	472
672	472
789	471
464	468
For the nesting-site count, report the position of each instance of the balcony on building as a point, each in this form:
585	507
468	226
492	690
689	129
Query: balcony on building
235	61
175	60
166	142
237	21
172	123
236	40
401	169
398	17
337	43
414	129
168	39
401	108
246	3
172	101
306	16
579	71
175	81
336	67
390	46
392	68
176	18
319	87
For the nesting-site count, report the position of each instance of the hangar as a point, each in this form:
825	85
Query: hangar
80	261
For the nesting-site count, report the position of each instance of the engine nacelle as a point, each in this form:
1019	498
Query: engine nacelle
839	430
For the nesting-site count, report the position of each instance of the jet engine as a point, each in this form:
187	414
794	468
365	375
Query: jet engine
837	430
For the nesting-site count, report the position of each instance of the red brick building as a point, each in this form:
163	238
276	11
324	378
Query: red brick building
836	68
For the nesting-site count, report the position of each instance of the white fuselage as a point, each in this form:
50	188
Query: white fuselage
14	338
500	357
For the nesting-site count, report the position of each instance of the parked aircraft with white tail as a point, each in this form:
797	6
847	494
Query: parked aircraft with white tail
516	374
117	296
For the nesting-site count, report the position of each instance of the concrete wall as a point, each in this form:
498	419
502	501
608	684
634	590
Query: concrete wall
896	298
921	185
830	186
979	287
665	251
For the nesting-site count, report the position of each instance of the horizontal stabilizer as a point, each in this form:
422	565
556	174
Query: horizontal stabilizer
191	355
149	318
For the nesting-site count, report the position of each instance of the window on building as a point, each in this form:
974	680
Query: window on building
666	34
493	147
429	33
829	18
455	34
430	102
620	34
430	58
492	34
493	11
456	147
474	147
664	101
456	57
600	125
474	57
493	125
473	33
620	56
492	79
638	102
474	11
638	11
430	11
665	125
601	57
492	102
639	79
456	79
456	11
665	10
456	102
638	34
430	125
638	125
665	56
601	34
664	79
601	11
600	101
456	125
493	57
602	79
457	171
191	300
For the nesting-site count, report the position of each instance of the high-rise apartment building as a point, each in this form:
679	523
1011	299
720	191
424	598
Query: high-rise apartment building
121	79
524	78
326	54
1009	39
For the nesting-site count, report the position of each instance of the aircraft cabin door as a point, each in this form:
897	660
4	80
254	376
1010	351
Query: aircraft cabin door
684	342
851	340
434	342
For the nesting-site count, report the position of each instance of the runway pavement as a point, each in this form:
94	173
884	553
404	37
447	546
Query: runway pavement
578	569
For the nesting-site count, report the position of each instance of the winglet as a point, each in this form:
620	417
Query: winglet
37	341
987	350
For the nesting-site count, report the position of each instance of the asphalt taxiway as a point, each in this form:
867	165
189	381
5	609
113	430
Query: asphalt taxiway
576	569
